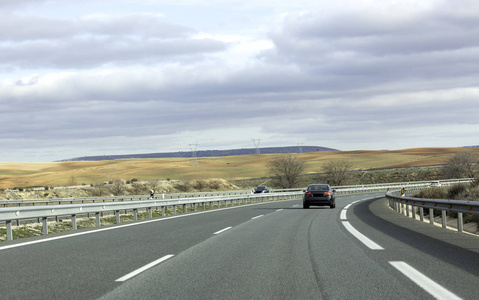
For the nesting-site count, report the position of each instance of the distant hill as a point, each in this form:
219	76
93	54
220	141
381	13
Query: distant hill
206	153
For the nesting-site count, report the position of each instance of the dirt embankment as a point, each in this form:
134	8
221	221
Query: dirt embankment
120	188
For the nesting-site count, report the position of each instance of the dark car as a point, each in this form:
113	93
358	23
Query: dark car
261	189
319	195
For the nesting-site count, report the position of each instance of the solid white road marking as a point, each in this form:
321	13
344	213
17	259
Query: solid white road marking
361	237
279	209
342	216
436	290
222	230
257	217
144	268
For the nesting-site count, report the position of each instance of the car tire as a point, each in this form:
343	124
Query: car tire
332	206
305	205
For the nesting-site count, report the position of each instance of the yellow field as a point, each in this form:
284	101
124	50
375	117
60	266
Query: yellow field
229	168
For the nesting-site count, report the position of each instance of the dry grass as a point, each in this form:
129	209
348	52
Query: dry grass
229	168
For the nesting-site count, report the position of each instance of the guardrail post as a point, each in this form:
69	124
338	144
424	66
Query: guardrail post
204	206
150	213
421	213
45	225
184	208
460	223
174	209
407	210
413	210
443	219
117	214
97	217
9	230
74	222
135	215
431	216
162	211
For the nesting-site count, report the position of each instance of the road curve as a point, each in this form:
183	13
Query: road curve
275	250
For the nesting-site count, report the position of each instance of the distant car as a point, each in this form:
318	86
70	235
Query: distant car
319	195
261	189
435	183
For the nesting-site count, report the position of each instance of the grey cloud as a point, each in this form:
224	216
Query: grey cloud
143	25
85	52
36	42
369	52
24	28
11	4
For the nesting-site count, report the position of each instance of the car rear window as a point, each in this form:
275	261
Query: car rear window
318	188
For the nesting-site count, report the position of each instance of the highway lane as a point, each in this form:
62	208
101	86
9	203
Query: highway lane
272	250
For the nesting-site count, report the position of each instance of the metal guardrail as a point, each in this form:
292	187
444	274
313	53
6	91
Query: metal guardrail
384	186
407	205
9	214
72	200
49	208
339	189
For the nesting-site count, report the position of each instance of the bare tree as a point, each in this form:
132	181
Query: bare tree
337	171
117	188
286	170
463	164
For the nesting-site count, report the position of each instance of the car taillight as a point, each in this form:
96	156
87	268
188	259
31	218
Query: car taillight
327	193
308	193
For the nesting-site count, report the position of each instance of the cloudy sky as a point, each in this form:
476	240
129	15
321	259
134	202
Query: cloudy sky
81	78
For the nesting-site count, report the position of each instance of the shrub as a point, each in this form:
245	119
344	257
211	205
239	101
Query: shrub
183	186
433	193
456	191
200	185
138	189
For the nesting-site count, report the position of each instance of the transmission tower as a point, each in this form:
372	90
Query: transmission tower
300	145
256	144
109	174
194	159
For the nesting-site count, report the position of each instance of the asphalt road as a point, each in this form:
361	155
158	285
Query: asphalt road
276	250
